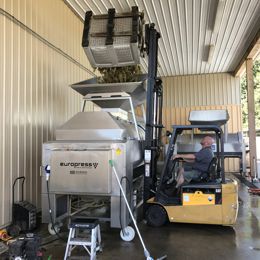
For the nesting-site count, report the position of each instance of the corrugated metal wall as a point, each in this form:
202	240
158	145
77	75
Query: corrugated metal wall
40	55
202	92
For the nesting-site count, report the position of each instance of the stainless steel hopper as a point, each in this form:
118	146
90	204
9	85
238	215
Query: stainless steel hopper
136	90
207	117
93	126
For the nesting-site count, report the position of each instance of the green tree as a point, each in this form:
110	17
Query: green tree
256	75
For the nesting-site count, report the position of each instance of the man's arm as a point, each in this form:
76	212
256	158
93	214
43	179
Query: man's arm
187	157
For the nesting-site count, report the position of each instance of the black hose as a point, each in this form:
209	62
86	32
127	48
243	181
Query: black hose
141	127
49	242
50	212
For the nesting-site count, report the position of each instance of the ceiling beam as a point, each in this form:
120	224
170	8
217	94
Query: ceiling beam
251	53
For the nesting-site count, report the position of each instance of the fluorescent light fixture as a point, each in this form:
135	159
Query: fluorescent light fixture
211	51
212	14
217	21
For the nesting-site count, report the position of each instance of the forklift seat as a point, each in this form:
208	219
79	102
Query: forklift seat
212	170
211	173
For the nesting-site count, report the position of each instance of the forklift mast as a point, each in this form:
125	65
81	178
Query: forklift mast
153	113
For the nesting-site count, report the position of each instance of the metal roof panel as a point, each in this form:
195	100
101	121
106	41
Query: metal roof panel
188	28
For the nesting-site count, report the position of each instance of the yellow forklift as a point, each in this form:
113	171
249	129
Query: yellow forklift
211	200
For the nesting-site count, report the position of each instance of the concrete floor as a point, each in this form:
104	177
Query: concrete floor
184	241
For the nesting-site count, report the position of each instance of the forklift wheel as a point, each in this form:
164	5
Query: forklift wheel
156	216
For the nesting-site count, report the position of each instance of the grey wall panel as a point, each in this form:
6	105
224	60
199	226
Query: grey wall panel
40	55
201	90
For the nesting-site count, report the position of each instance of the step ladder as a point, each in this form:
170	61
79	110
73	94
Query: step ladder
91	243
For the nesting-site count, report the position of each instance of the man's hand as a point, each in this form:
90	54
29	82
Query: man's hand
176	156
185	157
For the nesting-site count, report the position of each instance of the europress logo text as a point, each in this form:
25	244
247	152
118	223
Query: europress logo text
88	165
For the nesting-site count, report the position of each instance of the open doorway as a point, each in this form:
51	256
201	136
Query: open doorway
243	82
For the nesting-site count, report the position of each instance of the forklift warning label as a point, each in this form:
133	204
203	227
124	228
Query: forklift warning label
186	198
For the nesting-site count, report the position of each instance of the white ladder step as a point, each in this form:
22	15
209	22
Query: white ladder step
79	241
91	243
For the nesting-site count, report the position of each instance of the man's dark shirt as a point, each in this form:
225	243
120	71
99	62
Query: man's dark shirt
203	159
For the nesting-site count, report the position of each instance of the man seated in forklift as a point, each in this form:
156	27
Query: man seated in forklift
198	163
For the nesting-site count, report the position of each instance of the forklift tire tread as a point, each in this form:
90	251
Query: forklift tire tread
156	216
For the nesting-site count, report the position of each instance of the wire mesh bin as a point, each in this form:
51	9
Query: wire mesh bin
113	40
